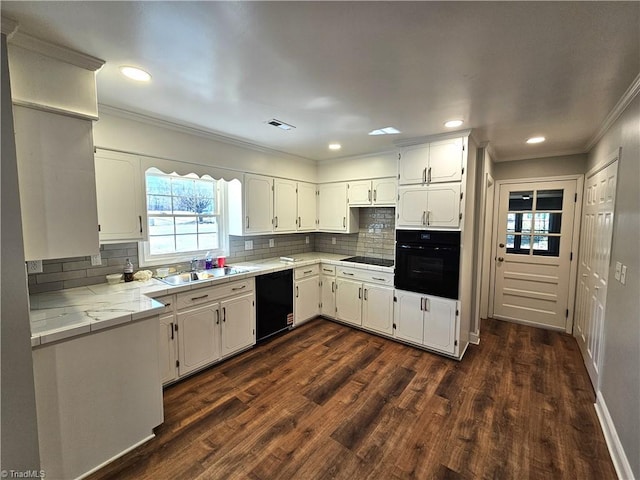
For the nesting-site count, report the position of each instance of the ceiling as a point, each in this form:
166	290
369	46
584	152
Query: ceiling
337	70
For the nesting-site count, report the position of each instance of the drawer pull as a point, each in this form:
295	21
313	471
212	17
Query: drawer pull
307	271
347	273
235	289
327	270
379	279
167	304
193	299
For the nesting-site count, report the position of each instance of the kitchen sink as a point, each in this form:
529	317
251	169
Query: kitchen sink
195	277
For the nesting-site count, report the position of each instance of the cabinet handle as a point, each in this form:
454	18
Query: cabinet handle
171	330
428	217
365	294
217	317
360	293
424	175
224	314
307	271
421	304
299	222
344	222
247	221
379	279
140	220
369	194
167	304
235	289
429	177
426	304
333	287
326	270
424	218
297	291
347	273
193	299
276	224
375	195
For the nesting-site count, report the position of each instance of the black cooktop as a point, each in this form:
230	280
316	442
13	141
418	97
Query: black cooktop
380	262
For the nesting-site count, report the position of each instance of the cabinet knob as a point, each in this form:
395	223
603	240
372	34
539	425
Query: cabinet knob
501	259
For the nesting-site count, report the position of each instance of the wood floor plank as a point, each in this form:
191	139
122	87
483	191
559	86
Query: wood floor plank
325	401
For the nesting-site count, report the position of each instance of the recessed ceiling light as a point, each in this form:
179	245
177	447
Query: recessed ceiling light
453	123
385	131
280	124
135	74
335	146
536	140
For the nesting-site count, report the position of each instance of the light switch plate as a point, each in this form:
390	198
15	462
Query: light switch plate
96	259
623	274
34	266
272	243
248	245
618	268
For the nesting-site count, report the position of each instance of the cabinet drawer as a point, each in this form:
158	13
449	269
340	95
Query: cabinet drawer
370	276
328	269
208	294
169	303
308	271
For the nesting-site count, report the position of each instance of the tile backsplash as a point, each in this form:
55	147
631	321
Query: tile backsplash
375	238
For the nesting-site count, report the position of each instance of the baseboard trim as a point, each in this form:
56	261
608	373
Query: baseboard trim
474	338
618	456
115	457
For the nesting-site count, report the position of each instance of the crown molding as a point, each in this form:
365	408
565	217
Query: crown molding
58	52
9	27
620	107
406	142
196	131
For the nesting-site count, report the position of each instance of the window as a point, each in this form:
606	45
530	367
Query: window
183	217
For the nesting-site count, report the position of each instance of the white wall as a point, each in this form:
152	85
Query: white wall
135	135
356	168
620	376
540	167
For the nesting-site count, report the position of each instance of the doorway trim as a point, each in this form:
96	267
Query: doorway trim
575	240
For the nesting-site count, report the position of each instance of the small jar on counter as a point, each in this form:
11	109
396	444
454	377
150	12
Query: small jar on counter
128	271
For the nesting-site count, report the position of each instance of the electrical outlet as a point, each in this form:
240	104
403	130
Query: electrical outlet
333	240
618	268
272	243
306	239
96	259
248	245
34	266
623	274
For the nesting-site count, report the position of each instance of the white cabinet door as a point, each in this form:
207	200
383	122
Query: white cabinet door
440	324
445	161
307	207
307	299
412	207
413	165
332	207
409	317
57	183
349	301
360	193
238	323
198	337
443	205
258	197
385	191
119	194
285	200
168	351
377	308
328	296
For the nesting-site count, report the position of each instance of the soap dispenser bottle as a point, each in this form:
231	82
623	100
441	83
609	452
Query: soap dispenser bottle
128	271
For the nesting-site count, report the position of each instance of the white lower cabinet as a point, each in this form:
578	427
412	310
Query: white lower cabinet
427	320
306	294
377	308
349	301
328	291
203	326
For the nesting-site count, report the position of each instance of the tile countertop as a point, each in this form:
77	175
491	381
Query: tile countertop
67	313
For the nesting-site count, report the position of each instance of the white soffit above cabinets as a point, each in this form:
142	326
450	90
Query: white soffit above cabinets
338	70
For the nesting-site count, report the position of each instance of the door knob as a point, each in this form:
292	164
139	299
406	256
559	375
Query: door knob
501	245
501	259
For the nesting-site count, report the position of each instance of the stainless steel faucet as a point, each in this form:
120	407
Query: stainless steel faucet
194	264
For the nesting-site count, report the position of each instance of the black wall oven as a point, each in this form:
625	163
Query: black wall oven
428	262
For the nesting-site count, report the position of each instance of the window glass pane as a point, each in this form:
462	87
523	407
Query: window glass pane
208	241
546	222
525	243
181	186
162	245
186	225
204	188
522	201
158	184
518	244
546	245
193	204
158	204
186	243
549	199
161	226
208	225
511	222
526	222
510	241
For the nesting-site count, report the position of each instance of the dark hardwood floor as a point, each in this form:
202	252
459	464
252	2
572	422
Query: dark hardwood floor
326	401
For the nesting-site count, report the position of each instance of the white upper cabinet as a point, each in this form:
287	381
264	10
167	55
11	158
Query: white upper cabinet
285	200
307	207
119	191
365	193
57	183
434	162
334	215
429	207
251	206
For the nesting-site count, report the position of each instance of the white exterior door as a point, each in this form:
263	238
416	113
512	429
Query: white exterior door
349	301
285	200
408	317
307	206
595	253
533	252
377	308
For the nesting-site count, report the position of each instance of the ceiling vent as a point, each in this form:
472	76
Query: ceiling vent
281	125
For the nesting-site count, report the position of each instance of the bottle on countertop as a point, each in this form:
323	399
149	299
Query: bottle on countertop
128	271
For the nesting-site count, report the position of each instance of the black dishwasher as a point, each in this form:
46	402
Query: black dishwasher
274	303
